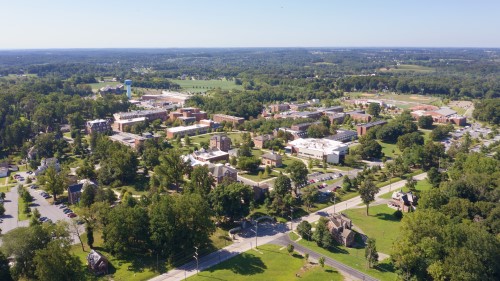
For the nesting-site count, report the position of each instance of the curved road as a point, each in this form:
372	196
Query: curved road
278	233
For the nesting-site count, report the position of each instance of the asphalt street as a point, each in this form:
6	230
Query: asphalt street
246	243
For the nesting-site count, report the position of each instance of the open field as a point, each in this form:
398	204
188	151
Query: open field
201	86
389	149
421	186
407	68
355	258
268	263
379	224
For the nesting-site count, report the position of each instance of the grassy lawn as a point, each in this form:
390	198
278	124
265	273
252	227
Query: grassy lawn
389	149
269	263
20	207
354	258
421	186
202	86
379	224
255	176
407	68
220	238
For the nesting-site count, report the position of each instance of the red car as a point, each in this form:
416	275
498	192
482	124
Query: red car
71	215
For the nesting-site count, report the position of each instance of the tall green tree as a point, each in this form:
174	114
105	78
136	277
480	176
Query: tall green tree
201	181
371	253
298	173
56	263
232	201
172	169
374	109
53	181
367	191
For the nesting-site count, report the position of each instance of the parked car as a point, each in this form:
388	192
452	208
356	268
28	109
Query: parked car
62	206
42	219
79	222
66	211
71	215
30	172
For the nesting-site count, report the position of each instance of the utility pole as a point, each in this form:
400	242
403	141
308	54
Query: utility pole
291	218
256	232
196	258
334	197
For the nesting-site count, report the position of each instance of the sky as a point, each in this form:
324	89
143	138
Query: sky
41	24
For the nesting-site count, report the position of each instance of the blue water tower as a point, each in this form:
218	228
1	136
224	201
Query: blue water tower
128	83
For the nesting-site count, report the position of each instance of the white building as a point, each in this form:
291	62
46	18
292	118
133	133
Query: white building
320	149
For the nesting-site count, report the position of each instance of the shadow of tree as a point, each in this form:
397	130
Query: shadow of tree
246	264
387	217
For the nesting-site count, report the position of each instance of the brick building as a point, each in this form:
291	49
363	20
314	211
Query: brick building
221	142
363	128
228	118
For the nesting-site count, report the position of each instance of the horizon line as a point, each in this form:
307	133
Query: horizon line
254	47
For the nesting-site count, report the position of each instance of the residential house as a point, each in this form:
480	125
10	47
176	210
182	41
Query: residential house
75	190
259	141
211	155
272	159
46	163
404	201
340	227
221	173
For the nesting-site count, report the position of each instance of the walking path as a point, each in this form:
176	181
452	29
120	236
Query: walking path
277	234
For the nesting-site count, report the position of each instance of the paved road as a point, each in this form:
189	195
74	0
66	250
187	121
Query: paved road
244	244
10	218
347	270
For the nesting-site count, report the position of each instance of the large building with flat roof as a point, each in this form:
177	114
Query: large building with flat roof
330	150
228	118
363	128
187	130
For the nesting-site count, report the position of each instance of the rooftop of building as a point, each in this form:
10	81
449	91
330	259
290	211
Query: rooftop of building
375	123
132	120
209	153
186	128
272	156
325	145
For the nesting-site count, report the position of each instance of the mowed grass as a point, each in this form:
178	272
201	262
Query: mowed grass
355	258
389	149
269	263
379	224
202	86
422	185
136	268
407	68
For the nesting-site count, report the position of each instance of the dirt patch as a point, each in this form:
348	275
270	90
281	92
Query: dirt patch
367	95
419	98
305	268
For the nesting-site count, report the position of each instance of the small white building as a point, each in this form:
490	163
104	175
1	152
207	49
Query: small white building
331	150
4	172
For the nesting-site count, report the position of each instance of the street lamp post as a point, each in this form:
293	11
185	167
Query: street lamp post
256	232
196	258
291	218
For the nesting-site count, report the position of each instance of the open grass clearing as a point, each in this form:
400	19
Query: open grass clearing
389	149
355	258
422	185
379	224
269	263
202	86
407	68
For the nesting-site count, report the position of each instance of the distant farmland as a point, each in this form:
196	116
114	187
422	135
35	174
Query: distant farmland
201	86
407	68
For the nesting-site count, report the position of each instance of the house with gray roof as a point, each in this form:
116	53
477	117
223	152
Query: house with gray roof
271	159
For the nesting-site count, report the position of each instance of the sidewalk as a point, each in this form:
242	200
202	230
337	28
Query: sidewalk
246	244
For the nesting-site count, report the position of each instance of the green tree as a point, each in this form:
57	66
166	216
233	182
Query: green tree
317	131
56	263
290	249
4	268
201	181
88	195
232	201
322	262
322	235
434	177
298	173
346	184
53	181
411	184
309	196
89	230
371	253
304	230
172	169
374	109
86	171
367	191
370	149
425	122
409	140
